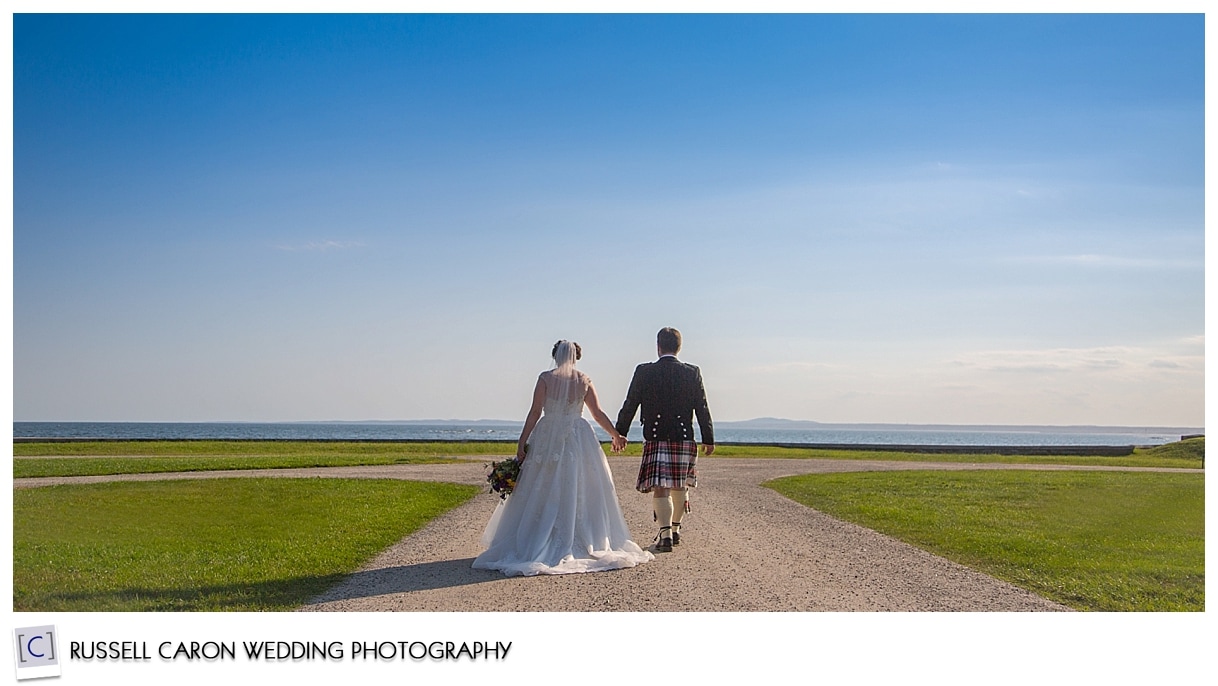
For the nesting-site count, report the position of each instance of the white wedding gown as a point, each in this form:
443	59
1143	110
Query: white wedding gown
563	516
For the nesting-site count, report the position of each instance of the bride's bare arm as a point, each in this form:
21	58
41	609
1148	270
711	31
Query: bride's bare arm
539	401
594	406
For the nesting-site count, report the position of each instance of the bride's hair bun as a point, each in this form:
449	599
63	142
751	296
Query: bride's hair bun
578	353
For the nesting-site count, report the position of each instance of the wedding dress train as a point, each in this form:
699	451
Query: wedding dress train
563	516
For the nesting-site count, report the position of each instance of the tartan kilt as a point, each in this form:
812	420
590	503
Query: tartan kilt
668	464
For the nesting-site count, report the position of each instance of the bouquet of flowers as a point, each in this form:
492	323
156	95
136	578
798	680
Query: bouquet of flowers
503	476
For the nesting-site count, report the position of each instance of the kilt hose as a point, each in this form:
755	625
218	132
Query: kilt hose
668	464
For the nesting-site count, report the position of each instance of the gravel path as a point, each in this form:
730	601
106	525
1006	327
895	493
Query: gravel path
744	549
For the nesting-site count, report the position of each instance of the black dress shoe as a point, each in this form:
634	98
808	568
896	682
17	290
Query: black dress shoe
676	538
664	540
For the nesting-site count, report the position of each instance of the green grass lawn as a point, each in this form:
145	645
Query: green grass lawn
140	457
1107	541
223	544
98	458
1188	454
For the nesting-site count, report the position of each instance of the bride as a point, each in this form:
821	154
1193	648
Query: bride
563	517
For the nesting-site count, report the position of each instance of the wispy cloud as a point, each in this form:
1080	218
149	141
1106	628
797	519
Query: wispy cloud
1107	261
320	246
1075	361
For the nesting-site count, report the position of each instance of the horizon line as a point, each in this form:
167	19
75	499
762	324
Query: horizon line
514	422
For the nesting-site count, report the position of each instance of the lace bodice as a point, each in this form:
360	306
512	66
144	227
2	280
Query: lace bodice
565	393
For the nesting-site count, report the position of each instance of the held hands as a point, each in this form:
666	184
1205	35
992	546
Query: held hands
619	443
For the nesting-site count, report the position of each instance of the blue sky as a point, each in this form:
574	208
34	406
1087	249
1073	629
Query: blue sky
852	218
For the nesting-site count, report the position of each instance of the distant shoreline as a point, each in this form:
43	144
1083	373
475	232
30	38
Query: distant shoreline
765	423
1080	450
851	437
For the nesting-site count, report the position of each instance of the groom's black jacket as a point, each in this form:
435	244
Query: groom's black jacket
669	392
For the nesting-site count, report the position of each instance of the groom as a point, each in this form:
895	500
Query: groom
669	391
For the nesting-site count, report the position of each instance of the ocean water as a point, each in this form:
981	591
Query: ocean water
725	433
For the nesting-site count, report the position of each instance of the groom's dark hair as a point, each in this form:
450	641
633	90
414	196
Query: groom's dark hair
669	340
